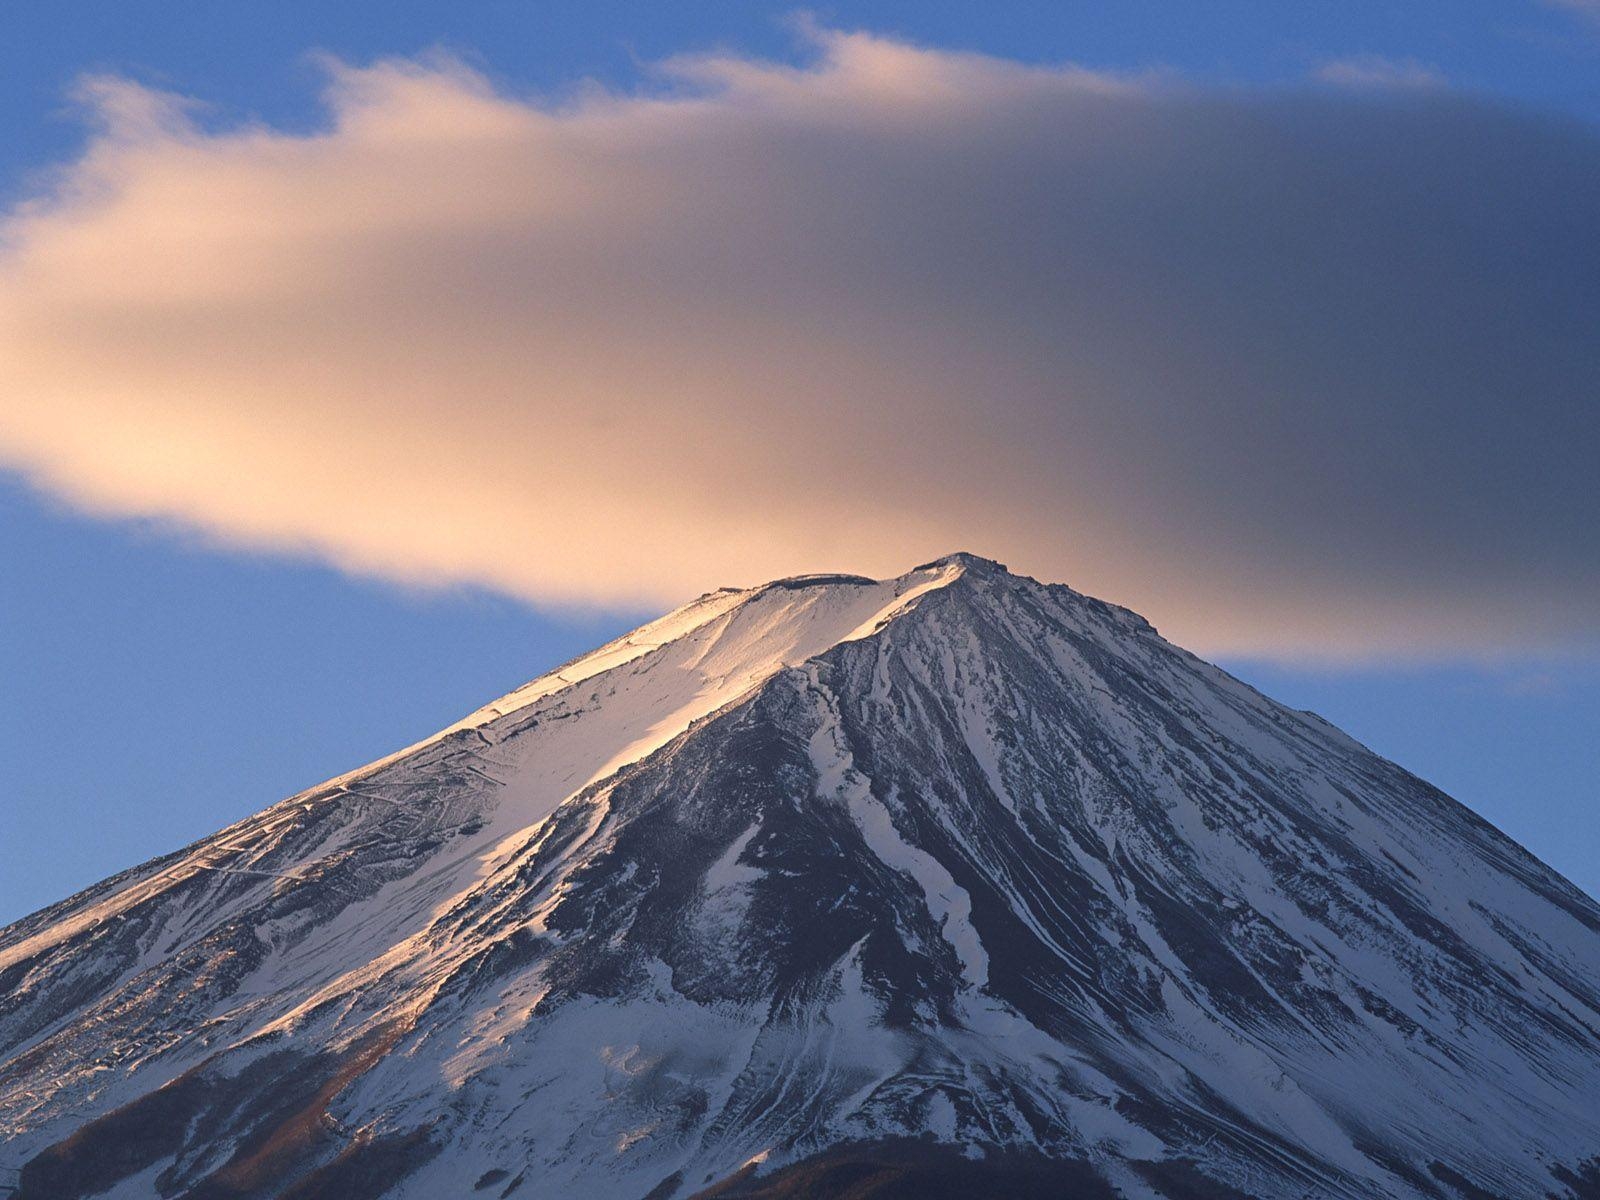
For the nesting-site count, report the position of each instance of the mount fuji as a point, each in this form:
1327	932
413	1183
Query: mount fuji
953	884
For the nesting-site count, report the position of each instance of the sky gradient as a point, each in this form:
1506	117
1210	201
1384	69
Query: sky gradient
361	364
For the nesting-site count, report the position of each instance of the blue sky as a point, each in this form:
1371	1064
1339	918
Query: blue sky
160	683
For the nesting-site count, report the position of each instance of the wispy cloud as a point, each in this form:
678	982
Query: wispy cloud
1376	71
1288	370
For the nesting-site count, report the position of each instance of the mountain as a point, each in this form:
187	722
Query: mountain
952	884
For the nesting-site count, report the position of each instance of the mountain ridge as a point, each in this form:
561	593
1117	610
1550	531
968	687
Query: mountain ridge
829	861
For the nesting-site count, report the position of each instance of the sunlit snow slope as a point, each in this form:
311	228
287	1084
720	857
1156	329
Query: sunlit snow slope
800	872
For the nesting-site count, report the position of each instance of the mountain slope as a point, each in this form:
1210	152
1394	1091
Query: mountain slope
801	872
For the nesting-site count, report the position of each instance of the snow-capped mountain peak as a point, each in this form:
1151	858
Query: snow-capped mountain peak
797	873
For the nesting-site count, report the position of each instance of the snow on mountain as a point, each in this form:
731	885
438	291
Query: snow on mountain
956	873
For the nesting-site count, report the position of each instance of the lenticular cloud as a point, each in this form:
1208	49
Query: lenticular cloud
1304	370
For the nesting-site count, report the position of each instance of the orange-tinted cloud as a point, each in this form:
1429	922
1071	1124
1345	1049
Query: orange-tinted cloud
1303	372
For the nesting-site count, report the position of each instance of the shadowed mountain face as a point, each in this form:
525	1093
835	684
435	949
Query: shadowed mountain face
956	883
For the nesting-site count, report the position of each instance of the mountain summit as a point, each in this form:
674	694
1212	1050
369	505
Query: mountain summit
951	884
